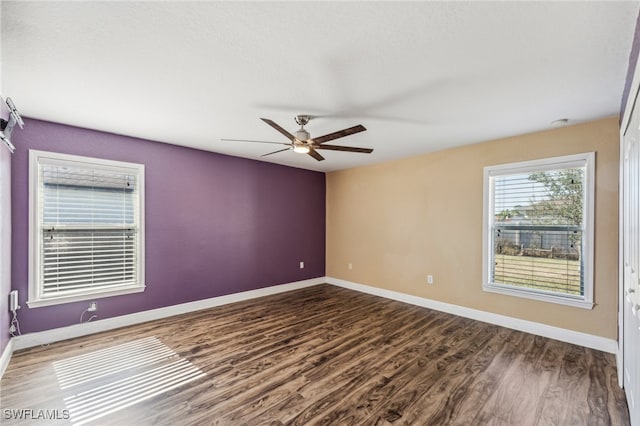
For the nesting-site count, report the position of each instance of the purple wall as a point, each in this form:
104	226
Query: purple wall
633	59
215	224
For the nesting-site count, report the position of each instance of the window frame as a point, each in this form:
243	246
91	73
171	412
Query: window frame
586	160
38	158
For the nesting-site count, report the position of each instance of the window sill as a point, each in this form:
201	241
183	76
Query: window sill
511	291
51	301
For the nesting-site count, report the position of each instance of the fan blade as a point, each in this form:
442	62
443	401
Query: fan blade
247	140
345	148
316	155
278	128
339	134
275	152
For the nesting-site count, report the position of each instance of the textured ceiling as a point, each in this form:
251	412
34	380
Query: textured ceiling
421	76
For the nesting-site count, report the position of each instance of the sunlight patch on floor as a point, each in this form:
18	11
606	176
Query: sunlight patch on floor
108	380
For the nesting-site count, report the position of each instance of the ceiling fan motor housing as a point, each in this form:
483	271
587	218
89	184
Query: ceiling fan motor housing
302	135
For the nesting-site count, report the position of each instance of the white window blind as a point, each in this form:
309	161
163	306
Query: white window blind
538	225
88	221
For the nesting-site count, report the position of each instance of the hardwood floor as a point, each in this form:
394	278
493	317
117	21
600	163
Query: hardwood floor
320	355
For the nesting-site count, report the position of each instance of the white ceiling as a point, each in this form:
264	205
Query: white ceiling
421	76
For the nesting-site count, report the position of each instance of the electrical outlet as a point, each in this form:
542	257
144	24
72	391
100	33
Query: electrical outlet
350	266
301	265
93	306
429	279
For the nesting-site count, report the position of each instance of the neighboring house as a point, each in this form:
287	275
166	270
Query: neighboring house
531	230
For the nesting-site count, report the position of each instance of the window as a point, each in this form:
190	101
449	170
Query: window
86	229
538	229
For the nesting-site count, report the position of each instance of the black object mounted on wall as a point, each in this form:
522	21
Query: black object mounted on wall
7	126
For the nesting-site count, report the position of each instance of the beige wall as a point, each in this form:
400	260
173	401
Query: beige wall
399	221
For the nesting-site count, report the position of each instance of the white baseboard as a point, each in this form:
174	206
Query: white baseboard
562	334
57	334
78	330
5	358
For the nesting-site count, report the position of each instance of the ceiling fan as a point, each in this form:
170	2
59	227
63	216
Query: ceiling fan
302	143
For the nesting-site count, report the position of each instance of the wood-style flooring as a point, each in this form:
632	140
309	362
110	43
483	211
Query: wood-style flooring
319	355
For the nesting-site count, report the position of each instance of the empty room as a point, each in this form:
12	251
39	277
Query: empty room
318	212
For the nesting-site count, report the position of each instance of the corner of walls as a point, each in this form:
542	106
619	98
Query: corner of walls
5	247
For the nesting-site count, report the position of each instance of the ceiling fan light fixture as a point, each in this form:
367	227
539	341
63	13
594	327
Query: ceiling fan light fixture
301	149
